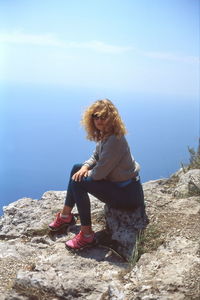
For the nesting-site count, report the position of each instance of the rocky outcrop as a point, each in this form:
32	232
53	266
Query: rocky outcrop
124	228
34	264
188	184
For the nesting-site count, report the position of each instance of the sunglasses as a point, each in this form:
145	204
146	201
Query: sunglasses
96	117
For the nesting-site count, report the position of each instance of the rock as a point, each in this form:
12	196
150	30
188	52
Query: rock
29	217
188	184
65	277
170	267
25	216
124	228
35	265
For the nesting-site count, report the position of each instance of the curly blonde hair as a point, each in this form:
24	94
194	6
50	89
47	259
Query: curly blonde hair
114	124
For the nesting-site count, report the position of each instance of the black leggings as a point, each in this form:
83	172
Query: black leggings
129	197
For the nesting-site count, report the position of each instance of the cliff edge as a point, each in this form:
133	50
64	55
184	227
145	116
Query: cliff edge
35	264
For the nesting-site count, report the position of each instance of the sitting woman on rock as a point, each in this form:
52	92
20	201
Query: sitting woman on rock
111	173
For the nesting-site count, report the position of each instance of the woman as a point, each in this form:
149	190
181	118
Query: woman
111	173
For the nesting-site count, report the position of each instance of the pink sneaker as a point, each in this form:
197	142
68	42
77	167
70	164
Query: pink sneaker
80	241
60	222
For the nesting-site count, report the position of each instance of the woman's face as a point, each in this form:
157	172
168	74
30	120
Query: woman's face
100	122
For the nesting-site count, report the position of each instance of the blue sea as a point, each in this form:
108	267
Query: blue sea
41	136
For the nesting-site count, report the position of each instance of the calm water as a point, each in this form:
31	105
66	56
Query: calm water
41	137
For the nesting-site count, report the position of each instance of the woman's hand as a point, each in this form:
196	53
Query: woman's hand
83	172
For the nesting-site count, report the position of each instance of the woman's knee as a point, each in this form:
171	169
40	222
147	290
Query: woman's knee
82	185
75	169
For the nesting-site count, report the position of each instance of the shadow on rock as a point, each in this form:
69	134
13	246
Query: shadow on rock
103	250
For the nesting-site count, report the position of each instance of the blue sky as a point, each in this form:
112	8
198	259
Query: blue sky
146	46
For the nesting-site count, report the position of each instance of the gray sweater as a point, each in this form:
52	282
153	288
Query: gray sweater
112	160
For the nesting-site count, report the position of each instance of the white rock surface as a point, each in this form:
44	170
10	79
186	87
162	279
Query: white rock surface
189	184
35	265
